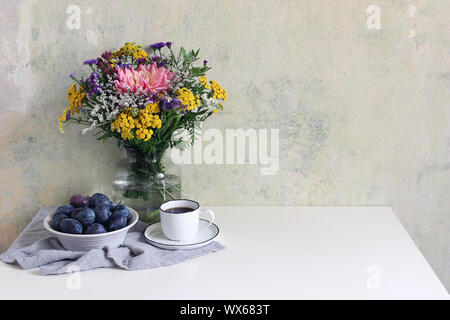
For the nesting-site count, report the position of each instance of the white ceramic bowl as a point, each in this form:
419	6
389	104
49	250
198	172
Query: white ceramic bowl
86	242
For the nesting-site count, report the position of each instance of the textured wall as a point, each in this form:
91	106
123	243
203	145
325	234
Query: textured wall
363	115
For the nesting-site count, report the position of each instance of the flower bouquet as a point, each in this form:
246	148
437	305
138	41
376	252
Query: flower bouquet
143	100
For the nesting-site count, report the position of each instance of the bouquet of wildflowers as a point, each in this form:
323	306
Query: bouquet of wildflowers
141	98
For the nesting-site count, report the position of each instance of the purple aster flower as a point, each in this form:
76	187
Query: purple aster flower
106	55
153	98
68	114
124	65
175	103
156	59
141	60
94	85
168	44
72	75
205	62
157	45
166	105
92	61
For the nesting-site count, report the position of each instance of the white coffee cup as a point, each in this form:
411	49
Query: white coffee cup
180	218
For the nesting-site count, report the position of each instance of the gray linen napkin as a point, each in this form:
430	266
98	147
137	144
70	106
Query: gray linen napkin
36	247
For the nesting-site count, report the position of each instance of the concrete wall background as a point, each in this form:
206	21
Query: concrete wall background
363	114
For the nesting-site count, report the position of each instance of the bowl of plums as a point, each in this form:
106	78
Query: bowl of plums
90	223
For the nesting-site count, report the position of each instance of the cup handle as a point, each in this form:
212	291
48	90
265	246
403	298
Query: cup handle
211	213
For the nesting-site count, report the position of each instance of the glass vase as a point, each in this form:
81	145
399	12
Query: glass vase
142	184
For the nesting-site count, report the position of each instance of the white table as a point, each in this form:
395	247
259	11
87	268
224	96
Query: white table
272	253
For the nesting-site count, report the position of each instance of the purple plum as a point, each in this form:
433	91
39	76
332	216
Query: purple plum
97	199
116	222
65	209
71	226
86	216
55	223
95	228
79	201
123	211
102	213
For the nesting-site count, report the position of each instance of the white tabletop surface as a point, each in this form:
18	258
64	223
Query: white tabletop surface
272	253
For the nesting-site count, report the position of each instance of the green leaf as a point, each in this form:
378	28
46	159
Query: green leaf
183	53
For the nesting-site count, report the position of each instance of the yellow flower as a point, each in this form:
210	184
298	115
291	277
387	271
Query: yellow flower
62	119
75	98
121	125
188	99
204	82
220	107
152	108
130	49
71	91
146	120
218	92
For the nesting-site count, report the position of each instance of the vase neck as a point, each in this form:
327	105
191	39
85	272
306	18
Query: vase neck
134	156
144	166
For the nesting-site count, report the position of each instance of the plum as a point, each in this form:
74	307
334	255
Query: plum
116	222
71	226
97	199
65	209
118	207
86	216
55	223
74	212
102	213
95	228
79	201
123	211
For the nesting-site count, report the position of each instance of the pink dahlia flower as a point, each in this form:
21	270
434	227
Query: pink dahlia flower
149	79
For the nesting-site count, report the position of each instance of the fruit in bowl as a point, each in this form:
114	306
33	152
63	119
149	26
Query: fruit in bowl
71	226
90	222
95	228
102	213
97	199
79	201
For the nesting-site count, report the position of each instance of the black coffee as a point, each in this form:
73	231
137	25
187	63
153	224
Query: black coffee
179	210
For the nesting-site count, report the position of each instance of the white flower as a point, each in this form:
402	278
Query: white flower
85	130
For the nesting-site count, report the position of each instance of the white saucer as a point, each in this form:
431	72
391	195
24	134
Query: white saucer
153	234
